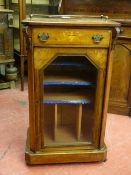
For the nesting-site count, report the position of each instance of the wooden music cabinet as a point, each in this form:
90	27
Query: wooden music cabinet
69	69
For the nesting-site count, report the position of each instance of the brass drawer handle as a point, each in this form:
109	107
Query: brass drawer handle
97	38
43	36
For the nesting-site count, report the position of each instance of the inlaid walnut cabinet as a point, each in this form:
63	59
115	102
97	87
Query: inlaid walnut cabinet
69	65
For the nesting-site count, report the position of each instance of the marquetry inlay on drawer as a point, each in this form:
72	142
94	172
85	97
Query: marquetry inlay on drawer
71	36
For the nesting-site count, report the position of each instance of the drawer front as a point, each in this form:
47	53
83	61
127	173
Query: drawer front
125	31
69	36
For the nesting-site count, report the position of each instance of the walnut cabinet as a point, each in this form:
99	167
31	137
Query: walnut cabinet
69	69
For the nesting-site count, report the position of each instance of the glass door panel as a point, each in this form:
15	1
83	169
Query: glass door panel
69	100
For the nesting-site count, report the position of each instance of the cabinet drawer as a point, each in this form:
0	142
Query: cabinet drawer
125	31
71	36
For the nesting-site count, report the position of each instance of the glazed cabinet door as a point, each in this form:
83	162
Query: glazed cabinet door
68	90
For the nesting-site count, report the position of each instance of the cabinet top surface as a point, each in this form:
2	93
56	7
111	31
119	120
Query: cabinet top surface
6	11
66	20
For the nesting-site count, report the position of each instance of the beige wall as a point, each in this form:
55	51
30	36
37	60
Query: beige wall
38	1
1	4
34	1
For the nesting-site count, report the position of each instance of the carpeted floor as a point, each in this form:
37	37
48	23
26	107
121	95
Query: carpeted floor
13	126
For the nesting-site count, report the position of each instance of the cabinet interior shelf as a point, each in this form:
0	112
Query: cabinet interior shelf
77	64
68	80
68	60
67	97
66	133
67	102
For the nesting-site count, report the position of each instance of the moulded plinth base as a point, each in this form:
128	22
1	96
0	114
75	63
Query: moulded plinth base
70	156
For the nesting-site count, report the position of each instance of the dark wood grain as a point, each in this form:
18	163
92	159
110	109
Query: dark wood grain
118	10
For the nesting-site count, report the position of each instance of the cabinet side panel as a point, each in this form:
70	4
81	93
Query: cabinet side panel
106	96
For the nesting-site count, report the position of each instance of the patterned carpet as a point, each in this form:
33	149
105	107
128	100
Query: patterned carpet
13	126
